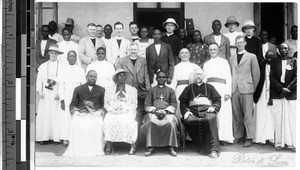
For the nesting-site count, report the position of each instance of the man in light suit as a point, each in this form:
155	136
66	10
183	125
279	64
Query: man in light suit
245	77
119	44
88	46
159	56
222	41
138	77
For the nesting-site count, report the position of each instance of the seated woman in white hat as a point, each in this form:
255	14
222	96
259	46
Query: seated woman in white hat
119	122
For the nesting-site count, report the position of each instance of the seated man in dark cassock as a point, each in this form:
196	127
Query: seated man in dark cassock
160	123
199	104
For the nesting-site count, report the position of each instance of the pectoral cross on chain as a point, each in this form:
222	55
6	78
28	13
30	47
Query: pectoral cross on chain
161	97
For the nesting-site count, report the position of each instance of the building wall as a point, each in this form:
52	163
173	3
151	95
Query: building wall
108	13
98	13
204	13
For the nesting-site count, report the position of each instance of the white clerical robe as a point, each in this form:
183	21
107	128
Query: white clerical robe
69	77
57	37
105	71
48	115
66	46
108	46
218	68
264	129
182	72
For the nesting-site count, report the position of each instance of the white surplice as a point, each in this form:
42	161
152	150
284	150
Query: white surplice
105	71
69	77
219	68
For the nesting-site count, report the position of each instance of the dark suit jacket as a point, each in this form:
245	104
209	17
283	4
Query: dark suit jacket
290	79
138	74
224	48
39	58
260	85
82	93
164	61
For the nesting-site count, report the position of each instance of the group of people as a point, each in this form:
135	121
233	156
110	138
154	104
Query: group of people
97	90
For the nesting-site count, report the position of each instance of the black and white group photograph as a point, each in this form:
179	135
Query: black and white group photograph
164	84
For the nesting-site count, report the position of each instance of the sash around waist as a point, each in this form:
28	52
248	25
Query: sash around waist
182	82
216	79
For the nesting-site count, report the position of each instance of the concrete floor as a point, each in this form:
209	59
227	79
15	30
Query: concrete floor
50	155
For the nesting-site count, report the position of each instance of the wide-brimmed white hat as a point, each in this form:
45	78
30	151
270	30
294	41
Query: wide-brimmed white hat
171	20
119	71
54	47
247	24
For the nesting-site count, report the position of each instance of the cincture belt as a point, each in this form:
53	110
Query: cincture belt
216	79
182	82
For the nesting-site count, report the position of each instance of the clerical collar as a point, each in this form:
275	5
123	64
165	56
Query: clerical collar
199	84
118	38
92	37
134	37
133	58
169	34
241	52
249	36
161	86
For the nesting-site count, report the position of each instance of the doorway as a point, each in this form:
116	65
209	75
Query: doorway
156	16
272	20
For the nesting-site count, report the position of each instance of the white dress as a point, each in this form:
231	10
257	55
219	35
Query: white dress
182	71
219	68
264	128
69	77
66	46
105	71
48	113
119	122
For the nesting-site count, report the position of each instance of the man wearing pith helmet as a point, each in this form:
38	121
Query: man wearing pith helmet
232	24
170	38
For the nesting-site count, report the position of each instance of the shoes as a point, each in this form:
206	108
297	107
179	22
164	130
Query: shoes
172	152
108	149
132	150
65	143
248	143
237	140
213	154
278	148
223	143
150	152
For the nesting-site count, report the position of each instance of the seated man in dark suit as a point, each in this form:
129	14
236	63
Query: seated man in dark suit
86	132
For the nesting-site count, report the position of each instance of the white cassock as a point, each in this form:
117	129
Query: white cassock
217	73
105	71
66	46
69	77
180	80
48	115
264	129
57	37
143	46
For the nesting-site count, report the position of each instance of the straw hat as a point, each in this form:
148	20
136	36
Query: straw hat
54	47
247	24
117	72
170	20
69	21
231	20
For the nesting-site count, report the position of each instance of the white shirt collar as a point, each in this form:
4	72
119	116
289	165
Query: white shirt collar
169	34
